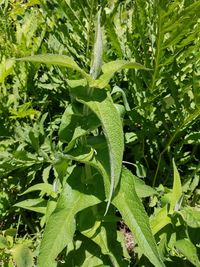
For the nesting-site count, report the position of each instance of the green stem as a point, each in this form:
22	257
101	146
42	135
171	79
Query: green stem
88	172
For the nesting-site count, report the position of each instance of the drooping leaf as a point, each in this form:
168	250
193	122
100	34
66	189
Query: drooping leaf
102	105
59	60
61	225
133	213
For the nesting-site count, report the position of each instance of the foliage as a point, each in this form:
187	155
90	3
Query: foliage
100	113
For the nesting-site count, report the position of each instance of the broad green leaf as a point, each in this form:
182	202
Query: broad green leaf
37	205
176	191
188	249
109	70
22	256
3	242
59	60
133	213
101	104
191	216
61	225
160	219
98	49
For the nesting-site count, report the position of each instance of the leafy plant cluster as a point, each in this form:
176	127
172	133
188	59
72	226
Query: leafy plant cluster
99	137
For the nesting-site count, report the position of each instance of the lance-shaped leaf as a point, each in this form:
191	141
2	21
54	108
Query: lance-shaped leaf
133	213
98	49
176	191
36	204
61	225
59	60
110	68
101	104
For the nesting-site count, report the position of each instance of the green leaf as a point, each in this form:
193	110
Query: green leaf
37	205
142	189
43	187
61	225
98	49
191	216
74	126
3	242
101	238
176	191
189	250
100	102
109	70
133	213
6	67
59	60
160	219
22	256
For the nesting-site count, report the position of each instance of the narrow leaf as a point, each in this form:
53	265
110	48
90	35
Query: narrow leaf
102	105
60	60
176	191
43	187
37	205
133	213
98	49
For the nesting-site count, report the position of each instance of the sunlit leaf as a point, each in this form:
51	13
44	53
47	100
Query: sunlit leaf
189	250
132	211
